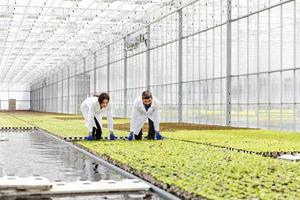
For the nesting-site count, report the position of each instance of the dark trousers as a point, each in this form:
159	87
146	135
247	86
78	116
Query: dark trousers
151	132
97	131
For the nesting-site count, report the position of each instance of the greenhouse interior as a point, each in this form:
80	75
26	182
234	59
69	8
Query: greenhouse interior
149	99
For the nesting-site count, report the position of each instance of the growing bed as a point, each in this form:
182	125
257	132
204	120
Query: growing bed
191	163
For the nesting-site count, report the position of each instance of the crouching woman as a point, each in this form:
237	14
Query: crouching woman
93	109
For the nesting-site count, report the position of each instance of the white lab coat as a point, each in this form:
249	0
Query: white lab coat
90	108
140	115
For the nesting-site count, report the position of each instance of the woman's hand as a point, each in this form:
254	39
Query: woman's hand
112	135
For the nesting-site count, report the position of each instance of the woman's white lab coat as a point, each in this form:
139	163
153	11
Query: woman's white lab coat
90	108
140	115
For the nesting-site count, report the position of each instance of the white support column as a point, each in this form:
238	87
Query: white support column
125	80
257	75
84	78
108	68
248	96
95	74
180	66
148	58
269	67
75	97
294	72
62	91
68	99
214	76
57	92
281	67
228	66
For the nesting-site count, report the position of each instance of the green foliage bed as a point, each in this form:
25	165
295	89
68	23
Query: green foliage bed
206	171
197	170
255	140
6	120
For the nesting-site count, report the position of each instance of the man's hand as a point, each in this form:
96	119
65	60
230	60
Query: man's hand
89	138
158	135
130	136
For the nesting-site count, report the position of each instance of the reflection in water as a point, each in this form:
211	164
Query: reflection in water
31	153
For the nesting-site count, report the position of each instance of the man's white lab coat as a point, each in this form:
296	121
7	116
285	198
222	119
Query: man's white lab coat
140	115
90	108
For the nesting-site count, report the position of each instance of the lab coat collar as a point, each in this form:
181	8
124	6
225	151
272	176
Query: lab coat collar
153	105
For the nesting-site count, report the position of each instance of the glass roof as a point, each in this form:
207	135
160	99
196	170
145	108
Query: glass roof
38	36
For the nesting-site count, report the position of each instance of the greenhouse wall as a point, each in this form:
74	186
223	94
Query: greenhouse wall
212	62
16	90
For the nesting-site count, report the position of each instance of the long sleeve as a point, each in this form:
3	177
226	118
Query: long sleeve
155	116
109	116
156	119
133	116
91	116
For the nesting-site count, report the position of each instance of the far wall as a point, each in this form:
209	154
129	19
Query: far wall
16	90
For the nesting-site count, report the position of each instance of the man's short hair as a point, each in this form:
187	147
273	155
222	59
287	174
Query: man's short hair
147	95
